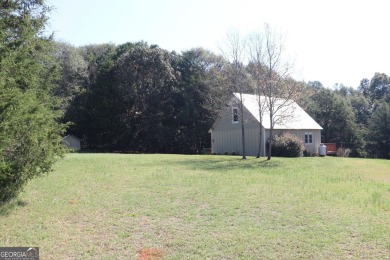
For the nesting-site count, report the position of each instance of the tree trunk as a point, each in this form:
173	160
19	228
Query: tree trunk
270	136
260	140
242	127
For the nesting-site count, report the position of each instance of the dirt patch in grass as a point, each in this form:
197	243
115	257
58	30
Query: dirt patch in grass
149	254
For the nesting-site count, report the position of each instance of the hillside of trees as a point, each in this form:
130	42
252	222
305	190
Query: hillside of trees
141	98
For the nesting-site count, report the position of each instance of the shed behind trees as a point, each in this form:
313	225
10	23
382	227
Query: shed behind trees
72	142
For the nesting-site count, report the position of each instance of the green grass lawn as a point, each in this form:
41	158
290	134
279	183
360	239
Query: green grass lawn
196	207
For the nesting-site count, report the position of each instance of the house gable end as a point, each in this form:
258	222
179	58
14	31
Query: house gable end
225	120
226	136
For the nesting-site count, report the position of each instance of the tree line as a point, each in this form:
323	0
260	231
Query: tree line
355	118
137	97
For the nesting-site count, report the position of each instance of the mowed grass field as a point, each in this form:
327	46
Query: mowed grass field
116	206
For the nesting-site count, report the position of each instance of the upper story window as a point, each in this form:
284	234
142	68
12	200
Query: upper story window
308	138
234	115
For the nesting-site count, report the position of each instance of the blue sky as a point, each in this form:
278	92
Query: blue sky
333	41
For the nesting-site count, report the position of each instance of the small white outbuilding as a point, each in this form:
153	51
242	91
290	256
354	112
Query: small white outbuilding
226	134
72	142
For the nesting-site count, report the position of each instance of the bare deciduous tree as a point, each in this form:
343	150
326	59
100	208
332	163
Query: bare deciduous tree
280	89
234	52
271	78
256	68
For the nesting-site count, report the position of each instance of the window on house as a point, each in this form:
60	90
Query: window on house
308	138
234	115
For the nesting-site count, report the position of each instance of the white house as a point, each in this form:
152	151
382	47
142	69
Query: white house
226	136
72	142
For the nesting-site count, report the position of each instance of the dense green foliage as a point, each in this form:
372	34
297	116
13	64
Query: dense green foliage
141	98
146	87
137	97
379	132
287	145
337	118
350	117
30	135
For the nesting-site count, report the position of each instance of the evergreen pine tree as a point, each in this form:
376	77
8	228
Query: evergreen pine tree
30	135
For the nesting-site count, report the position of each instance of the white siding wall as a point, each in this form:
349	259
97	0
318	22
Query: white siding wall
226	136
313	148
230	141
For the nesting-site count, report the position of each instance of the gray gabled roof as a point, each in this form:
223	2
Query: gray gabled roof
295	117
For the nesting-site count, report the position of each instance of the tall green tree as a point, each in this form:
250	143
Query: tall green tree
380	87
334	114
93	111
357	101
376	89
30	135
201	95
73	68
379	132
146	89
361	108
139	97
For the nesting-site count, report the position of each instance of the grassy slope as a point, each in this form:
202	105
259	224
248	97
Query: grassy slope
191	207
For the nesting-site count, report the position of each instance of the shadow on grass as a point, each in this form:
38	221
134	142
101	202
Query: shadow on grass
228	163
8	207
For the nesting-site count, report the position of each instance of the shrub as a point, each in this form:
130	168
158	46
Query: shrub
287	145
343	152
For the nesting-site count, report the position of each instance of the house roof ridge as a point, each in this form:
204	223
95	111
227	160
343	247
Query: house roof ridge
299	120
